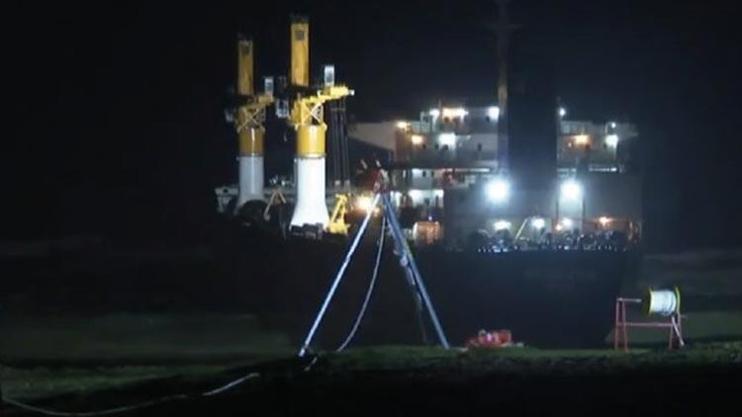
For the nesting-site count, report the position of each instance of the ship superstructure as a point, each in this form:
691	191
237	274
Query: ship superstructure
452	184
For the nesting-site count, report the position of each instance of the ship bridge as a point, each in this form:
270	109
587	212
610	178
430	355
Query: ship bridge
450	169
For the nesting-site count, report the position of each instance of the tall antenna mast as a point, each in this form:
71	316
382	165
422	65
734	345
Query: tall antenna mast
503	30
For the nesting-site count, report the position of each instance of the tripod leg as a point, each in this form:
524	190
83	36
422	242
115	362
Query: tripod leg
336	282
408	262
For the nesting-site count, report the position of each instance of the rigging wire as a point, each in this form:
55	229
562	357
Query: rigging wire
370	290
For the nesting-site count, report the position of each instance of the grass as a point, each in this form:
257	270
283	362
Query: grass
181	354
43	382
138	339
73	355
51	356
526	360
402	361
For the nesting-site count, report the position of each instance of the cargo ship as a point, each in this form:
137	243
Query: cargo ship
541	247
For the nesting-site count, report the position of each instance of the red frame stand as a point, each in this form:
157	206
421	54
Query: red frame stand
621	335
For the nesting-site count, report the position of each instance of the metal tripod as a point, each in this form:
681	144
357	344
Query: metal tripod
406	260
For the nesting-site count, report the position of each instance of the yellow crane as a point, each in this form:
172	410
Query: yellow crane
249	124
307	119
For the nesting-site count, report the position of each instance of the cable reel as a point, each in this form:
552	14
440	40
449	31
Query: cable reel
663	303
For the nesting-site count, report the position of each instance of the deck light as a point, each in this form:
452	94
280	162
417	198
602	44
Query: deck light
498	190
571	190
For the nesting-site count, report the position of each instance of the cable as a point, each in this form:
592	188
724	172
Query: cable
338	278
123	409
230	385
370	290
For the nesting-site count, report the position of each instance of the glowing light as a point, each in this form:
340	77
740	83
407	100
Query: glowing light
562	112
613	125
417	139
567	223
571	190
493	113
365	203
604	221
454	112
447	139
502	225
498	190
403	125
415	195
435	113
611	140
582	139
396	197
538	223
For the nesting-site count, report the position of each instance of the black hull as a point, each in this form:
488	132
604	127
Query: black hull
546	298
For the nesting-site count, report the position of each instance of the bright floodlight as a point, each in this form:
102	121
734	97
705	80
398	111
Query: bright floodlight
365	203
498	190
459	112
435	112
493	113
415	195
567	223
417	139
571	190
562	112
604	221
538	223
447	139
582	139
402	125
502	225
611	140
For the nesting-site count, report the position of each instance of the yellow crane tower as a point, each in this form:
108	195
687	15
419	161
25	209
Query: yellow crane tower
307	119
249	122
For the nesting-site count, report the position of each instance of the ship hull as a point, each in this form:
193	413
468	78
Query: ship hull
546	298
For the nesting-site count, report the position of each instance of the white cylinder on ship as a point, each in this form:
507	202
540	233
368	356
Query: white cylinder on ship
663	302
251	178
311	207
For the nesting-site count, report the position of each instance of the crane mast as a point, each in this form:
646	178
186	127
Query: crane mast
307	119
249	124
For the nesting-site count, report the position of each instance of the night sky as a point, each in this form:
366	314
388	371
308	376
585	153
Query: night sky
116	112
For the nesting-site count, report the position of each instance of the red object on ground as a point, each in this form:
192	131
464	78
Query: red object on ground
491	339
